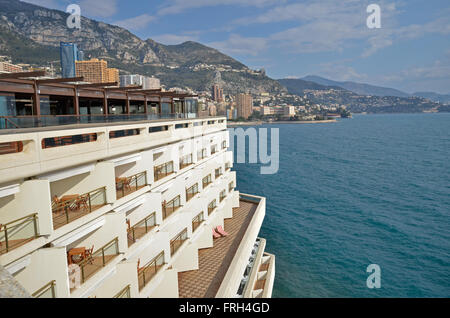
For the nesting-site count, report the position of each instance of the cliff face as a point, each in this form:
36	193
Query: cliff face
190	64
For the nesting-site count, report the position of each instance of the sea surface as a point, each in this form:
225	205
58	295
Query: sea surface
374	189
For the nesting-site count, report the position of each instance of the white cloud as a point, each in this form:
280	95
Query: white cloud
170	39
136	23
238	45
98	8
178	6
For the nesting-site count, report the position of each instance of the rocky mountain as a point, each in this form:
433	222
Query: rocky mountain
358	88
299	86
31	34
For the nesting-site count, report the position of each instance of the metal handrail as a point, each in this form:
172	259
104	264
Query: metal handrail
85	199
153	263
101	251
159	174
134	179
8	230
146	225
43	290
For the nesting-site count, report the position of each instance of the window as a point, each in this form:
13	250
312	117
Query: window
213	149
179	126
191	192
158	129
11	147
124	133
68	140
207	181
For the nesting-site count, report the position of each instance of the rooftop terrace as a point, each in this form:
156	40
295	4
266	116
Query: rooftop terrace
215	261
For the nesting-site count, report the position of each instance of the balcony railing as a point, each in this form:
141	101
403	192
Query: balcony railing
71	207
124	293
206	181
48	291
18	233
223	195
186	161
98	259
212	206
176	243
171	206
218	173
128	185
227	166
213	149
201	154
15	122
146	273
191	192
197	221
141	228
163	170
231	186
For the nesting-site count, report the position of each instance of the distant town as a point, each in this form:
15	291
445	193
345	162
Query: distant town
241	107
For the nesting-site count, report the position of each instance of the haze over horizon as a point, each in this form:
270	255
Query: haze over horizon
292	39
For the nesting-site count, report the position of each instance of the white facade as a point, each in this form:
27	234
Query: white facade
130	230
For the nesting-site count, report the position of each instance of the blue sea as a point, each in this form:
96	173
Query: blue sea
374	189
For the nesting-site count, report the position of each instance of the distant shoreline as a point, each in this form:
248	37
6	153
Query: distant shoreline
258	123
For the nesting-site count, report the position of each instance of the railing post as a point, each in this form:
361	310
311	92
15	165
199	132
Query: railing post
35	225
90	203
103	256
6	239
67	213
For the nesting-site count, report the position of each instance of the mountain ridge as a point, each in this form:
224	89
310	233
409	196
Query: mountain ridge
189	64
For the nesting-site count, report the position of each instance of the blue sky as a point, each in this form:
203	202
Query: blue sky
330	38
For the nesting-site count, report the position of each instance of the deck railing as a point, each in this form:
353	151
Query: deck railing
176	243
186	161
127	185
191	192
212	206
70	210
48	291
98	259
146	273
16	122
197	221
163	170
18	232
171	206
141	228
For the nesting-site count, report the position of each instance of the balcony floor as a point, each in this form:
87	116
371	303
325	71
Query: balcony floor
215	261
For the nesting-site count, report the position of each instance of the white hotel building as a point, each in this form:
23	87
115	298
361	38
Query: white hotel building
128	209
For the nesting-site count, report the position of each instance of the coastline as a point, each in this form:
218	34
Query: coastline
258	123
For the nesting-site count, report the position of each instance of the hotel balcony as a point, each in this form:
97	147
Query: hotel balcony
130	184
71	207
259	274
220	267
18	232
